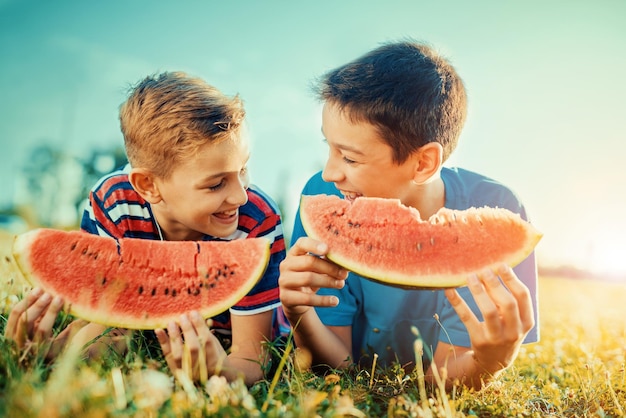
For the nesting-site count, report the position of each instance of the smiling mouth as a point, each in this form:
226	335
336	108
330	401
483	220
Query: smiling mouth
227	214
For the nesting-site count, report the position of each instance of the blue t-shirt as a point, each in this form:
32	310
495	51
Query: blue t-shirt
384	318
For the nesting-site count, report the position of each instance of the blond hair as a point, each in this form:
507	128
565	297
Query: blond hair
168	116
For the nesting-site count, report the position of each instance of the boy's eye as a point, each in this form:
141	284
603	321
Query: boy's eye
348	160
217	186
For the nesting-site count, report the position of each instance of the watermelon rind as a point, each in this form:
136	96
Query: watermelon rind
98	307
387	242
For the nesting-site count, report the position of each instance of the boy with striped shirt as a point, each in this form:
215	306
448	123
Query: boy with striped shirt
187	179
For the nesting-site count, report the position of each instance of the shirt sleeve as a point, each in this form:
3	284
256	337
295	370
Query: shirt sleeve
96	219
264	296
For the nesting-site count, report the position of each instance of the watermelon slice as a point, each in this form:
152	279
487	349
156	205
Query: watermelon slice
139	284
383	240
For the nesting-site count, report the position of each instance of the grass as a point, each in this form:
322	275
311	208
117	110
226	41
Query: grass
577	370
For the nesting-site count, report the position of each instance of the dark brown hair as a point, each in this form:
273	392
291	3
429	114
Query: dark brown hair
411	94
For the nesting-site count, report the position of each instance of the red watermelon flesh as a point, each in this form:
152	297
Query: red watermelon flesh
136	283
386	241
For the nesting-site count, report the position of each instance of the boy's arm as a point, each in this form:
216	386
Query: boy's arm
506	307
190	346
301	275
248	354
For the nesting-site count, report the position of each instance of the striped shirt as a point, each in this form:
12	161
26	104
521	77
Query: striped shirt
116	210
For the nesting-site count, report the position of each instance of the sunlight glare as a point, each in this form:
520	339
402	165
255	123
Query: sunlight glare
607	252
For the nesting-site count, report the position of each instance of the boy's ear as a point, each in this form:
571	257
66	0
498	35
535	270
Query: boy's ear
429	160
143	181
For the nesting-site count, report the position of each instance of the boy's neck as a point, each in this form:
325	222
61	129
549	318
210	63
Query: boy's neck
429	198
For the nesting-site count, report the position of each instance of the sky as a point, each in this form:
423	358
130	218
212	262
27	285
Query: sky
546	82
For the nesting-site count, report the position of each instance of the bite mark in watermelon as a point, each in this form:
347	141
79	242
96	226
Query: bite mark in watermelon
140	284
383	240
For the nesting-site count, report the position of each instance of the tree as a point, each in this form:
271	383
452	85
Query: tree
55	183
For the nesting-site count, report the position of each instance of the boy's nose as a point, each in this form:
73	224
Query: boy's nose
239	194
331	173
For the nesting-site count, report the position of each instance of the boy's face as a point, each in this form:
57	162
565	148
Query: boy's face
203	195
359	162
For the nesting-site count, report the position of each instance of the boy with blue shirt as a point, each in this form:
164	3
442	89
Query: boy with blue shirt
391	118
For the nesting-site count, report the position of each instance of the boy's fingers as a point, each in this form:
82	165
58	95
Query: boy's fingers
297	298
202	329
21	321
307	263
44	329
306	245
487	306
312	281
463	311
15	317
521	293
163	339
175	342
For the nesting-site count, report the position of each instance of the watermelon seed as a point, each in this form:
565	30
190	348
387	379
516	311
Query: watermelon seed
73	247
212	285
419	246
140	290
196	292
432	241
173	292
104	281
167	291
153	291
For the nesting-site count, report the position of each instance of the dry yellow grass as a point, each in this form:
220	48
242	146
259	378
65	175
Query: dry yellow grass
12	282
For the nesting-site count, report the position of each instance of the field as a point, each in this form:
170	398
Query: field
577	370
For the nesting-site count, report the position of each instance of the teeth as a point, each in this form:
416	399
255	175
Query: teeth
351	196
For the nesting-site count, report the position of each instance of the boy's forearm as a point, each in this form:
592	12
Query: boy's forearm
462	368
325	347
250	369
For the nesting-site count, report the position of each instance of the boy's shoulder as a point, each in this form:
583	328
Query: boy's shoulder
466	188
113	182
259	200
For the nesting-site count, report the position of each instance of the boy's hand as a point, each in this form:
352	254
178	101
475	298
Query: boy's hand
303	272
507	310
32	318
190	346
